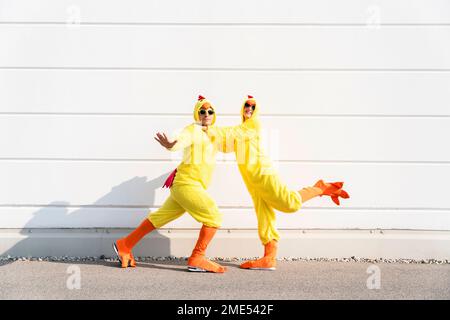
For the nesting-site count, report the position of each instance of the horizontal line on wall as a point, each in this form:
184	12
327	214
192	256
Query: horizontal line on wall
374	25
223	161
220	207
189	115
228	69
97	229
303	229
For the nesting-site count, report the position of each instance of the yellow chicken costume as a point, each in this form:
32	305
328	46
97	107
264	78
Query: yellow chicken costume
193	176
263	183
188	184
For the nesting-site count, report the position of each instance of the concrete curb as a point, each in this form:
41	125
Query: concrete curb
308	244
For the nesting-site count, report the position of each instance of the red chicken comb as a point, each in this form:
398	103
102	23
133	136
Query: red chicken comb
200	97
250	97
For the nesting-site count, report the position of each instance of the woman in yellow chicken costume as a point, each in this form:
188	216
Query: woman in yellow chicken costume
188	184
263	183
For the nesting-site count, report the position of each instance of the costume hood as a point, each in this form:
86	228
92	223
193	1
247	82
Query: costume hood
253	122
202	100
255	112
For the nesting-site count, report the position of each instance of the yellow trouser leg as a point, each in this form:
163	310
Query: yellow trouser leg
267	233
278	195
266	218
202	207
168	212
193	199
198	203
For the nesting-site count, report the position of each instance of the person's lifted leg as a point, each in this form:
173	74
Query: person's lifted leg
268	192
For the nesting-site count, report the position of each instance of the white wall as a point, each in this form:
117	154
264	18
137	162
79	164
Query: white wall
352	90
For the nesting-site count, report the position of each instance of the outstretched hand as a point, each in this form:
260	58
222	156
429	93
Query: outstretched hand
164	141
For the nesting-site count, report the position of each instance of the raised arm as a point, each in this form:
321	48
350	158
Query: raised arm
183	140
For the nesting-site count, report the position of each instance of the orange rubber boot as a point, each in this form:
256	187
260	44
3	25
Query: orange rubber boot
123	246
197	261
334	190
268	262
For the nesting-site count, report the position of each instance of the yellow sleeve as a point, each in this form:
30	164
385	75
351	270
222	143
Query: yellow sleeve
223	137
184	139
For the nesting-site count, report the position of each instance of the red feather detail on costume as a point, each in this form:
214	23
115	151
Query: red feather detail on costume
169	181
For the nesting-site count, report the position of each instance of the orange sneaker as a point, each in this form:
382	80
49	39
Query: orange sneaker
124	254
268	262
132	261
201	264
263	263
197	261
123	247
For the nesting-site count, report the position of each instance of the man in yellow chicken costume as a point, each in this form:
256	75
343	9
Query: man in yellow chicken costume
188	184
263	183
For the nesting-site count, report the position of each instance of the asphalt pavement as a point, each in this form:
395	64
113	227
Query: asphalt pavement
103	279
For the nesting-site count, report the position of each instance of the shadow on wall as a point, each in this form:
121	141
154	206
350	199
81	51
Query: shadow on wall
68	235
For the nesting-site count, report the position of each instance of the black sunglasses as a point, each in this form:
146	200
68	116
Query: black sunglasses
203	112
247	105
